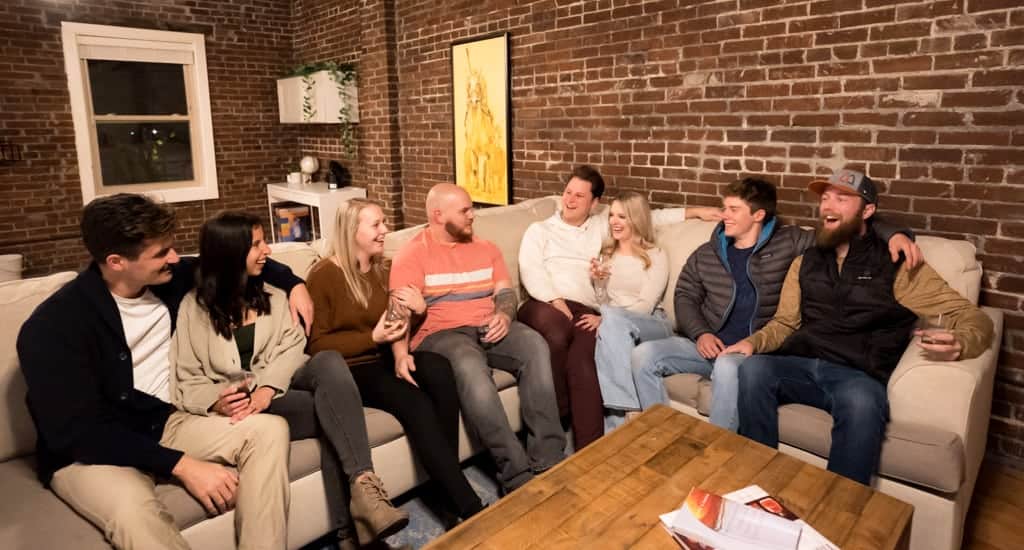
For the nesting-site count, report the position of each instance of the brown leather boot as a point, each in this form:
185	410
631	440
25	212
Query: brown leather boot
372	513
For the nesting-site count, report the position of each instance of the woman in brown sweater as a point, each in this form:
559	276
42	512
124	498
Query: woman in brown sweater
350	297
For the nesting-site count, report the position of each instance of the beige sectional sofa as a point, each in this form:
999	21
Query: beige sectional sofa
930	458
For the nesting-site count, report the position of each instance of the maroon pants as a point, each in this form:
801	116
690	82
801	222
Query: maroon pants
572	366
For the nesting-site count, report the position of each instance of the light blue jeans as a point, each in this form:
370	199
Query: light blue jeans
617	336
653	361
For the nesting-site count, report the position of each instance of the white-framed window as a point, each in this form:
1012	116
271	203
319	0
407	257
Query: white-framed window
140	103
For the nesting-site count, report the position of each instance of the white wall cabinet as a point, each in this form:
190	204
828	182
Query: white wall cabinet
324	97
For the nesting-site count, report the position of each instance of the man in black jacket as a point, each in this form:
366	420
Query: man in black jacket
95	356
728	289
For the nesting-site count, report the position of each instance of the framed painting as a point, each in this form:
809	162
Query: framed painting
480	105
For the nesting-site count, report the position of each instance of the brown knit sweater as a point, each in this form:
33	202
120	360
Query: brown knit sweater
339	323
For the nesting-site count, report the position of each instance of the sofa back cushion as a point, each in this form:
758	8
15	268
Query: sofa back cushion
300	257
18	299
679	240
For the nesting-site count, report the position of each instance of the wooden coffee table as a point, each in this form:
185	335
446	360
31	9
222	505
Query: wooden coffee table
610	494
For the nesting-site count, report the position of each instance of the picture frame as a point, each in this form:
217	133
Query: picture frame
481	109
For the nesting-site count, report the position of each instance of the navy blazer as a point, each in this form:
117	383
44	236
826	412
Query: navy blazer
78	368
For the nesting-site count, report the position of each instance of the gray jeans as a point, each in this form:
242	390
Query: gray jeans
524	354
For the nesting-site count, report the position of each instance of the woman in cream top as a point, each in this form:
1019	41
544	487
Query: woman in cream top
635	275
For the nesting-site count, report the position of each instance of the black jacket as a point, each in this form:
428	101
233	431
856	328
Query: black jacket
78	368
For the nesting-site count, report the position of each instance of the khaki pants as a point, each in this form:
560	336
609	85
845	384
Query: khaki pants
121	501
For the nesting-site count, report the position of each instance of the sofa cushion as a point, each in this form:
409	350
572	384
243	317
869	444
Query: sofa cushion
679	240
300	257
18	299
919	454
955	261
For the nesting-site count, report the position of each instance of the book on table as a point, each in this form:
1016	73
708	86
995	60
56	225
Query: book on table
747	519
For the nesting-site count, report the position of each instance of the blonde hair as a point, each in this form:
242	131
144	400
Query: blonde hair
343	250
638	216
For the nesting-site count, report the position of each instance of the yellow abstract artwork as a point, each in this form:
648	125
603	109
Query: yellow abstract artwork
480	105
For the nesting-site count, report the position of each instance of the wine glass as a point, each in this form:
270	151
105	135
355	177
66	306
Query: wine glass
602	273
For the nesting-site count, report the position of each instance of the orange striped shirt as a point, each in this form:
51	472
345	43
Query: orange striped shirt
457	281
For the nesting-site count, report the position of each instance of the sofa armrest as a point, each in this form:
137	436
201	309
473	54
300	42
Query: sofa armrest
955	396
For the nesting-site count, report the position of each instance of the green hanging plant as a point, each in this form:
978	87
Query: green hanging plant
342	74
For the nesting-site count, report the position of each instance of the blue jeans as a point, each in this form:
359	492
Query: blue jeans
857	402
523	353
653	361
620	331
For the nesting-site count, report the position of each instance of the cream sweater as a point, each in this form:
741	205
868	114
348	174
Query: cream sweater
637	289
554	257
201	359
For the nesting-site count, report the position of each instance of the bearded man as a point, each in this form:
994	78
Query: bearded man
845	315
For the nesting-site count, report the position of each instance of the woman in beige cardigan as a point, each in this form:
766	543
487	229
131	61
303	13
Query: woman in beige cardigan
232	325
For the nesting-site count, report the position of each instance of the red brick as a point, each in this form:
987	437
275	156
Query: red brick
976	99
935	82
968	60
993	157
1003	118
912	154
974	138
929	10
867	17
826	38
933	118
1008	77
914	29
920	137
869	153
986	5
902	65
794	136
872	84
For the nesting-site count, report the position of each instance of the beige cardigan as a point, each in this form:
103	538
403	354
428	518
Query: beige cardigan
201	359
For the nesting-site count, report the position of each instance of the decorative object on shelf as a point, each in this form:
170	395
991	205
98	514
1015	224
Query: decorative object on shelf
338	176
294	178
482	133
9	151
309	166
323	92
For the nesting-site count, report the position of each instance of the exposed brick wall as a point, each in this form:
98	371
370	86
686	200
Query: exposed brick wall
248	44
677	98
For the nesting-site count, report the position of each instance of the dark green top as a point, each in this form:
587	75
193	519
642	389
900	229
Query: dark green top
245	337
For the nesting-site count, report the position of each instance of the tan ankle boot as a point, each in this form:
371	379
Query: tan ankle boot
372	512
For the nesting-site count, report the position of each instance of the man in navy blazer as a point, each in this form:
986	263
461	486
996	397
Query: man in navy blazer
95	356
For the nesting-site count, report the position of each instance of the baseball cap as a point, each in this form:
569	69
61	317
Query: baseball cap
850	182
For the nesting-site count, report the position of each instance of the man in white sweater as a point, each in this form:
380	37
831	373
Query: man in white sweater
554	267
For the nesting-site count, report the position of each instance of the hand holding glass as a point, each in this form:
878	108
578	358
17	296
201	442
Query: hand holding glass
931	326
243	381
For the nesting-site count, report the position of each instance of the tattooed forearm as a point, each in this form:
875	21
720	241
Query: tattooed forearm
505	302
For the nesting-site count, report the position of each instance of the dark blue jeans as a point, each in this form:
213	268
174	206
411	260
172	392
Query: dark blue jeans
857	402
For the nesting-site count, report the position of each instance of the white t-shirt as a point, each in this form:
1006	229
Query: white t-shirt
147	329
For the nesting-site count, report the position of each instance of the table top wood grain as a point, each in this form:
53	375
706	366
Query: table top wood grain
610	494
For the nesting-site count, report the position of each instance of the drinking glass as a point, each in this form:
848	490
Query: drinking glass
930	325
395	312
243	380
600	281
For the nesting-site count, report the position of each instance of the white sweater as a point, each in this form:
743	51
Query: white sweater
637	289
554	257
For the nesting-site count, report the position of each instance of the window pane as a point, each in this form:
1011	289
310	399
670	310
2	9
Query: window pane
133	88
144	152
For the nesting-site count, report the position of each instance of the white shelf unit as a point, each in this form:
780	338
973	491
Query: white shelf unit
316	196
324	98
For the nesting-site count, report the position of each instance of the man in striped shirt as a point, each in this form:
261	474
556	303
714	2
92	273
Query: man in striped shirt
469	320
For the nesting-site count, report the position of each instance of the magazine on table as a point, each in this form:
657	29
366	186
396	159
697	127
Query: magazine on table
747	519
